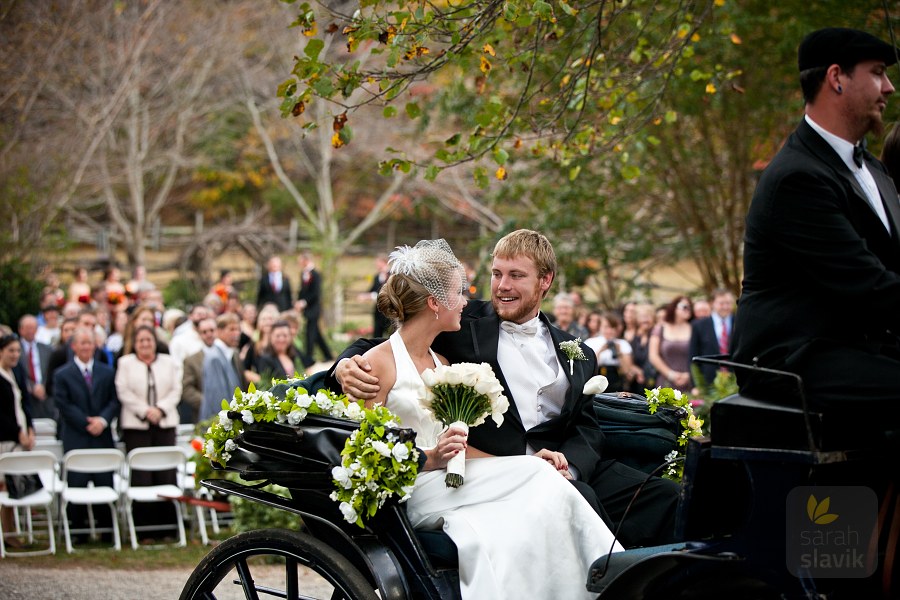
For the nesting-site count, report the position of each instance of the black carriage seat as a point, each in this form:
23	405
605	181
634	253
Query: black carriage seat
439	547
741	422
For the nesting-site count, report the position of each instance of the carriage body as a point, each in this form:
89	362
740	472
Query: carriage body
732	508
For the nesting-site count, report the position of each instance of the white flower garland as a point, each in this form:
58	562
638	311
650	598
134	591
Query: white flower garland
376	463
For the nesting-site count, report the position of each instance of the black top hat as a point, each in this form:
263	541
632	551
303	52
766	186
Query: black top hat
839	45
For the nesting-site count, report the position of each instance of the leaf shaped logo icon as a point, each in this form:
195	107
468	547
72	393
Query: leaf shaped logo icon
818	511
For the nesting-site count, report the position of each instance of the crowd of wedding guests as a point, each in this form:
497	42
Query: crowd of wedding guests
112	365
641	346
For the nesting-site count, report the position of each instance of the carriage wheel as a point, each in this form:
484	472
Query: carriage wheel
276	563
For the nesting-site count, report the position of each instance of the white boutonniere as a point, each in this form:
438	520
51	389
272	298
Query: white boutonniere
572	349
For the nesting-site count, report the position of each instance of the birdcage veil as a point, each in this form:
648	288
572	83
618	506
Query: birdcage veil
432	264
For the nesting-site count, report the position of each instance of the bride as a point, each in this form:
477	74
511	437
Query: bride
521	530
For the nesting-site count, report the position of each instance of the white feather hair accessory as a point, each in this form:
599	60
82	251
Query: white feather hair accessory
432	264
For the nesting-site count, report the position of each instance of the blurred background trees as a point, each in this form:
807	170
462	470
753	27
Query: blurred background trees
632	133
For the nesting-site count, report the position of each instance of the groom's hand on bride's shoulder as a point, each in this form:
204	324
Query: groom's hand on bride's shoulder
354	375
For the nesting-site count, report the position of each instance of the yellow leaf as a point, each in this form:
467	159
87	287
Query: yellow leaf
657	120
736	40
695	38
500	174
488	49
336	140
615	120
719	3
312	30
485	65
811	504
710	88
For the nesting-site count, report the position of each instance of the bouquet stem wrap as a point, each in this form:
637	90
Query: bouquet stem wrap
456	466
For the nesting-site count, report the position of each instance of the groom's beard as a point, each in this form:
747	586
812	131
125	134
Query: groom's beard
526	308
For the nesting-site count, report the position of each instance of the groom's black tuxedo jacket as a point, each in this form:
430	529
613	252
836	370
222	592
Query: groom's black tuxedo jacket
575	432
820	268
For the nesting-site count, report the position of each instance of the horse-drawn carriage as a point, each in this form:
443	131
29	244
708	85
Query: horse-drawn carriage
735	513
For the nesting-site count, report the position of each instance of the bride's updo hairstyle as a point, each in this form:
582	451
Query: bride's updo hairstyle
427	269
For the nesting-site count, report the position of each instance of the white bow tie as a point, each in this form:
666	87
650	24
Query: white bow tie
529	329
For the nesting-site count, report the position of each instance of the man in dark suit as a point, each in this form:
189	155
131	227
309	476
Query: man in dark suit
380	323
550	418
84	390
309	303
274	286
821	285
711	335
35	361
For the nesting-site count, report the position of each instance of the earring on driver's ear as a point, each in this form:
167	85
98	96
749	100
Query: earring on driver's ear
436	317
840	90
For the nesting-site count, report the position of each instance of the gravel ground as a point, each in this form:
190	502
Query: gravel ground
23	583
35	583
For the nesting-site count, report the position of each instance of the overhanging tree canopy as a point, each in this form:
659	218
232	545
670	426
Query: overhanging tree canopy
554	78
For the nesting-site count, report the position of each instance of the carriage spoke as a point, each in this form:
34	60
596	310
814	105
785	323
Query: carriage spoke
246	579
291	579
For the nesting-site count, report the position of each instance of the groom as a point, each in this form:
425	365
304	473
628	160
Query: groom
548	414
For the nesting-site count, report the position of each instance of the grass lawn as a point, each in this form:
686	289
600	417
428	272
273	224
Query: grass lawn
95	555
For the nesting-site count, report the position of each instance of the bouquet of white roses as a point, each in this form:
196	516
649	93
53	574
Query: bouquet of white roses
462	396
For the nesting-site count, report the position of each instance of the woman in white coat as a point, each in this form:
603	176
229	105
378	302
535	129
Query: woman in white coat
149	388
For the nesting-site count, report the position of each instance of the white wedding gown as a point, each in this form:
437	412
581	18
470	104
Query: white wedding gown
521	529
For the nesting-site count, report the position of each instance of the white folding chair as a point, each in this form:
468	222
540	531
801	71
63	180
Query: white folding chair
50	445
94	460
44	428
24	463
158	458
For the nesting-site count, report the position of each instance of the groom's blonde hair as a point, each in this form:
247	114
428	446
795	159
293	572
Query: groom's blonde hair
534	245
